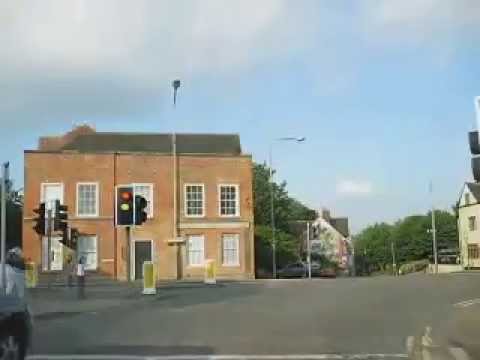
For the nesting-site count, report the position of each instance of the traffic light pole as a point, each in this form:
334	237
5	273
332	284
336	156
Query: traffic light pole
309	252
49	237
129	238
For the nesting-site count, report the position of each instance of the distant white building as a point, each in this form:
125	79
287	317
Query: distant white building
468	231
333	241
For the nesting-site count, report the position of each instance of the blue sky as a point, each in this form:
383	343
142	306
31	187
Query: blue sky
382	90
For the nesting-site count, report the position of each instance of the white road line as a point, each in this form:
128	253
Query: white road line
459	353
221	357
463	304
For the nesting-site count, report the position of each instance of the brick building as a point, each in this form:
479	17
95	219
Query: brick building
210	216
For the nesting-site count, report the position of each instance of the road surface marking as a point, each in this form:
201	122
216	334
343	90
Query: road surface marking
459	353
221	357
463	304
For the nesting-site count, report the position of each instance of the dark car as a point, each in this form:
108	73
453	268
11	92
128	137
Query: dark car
293	270
329	272
448	256
15	328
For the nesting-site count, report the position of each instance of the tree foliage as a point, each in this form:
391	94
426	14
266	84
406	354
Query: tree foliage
286	211
410	236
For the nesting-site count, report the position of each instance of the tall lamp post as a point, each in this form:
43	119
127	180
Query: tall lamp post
272	202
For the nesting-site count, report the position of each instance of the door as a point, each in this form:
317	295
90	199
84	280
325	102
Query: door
56	254
143	252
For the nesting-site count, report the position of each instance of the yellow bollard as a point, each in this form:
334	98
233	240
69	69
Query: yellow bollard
31	275
149	287
210	272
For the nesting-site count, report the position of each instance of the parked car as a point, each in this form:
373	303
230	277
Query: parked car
15	328
297	269
329	272
300	270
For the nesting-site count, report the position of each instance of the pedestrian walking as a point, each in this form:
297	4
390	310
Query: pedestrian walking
69	270
15	273
81	278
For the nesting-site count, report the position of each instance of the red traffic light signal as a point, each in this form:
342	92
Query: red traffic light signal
125	205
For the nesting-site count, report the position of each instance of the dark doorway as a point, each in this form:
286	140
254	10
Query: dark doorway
143	252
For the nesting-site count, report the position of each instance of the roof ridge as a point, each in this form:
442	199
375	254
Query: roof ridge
155	133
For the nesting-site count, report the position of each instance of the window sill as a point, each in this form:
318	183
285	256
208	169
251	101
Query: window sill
231	266
87	216
196	266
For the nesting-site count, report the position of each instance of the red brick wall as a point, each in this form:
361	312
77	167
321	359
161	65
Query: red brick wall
70	168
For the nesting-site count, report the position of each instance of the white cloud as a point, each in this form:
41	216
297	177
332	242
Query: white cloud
354	187
89	58
420	20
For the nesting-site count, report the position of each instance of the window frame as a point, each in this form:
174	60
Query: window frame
94	236
42	192
237	238
150	185
470	223
237	200
189	264
185	200
97	199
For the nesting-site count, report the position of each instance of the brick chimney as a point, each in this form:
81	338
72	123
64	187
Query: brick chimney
55	143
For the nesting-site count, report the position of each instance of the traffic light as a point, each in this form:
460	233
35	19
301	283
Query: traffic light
125	206
40	220
70	237
140	213
61	217
74	234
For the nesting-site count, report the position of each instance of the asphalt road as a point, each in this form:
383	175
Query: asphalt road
328	318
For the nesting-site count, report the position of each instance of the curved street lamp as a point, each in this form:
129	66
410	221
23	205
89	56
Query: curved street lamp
272	205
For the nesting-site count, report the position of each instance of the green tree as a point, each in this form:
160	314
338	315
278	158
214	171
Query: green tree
410	236
286	211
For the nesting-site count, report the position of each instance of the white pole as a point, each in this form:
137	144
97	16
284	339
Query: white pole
3	225
309	255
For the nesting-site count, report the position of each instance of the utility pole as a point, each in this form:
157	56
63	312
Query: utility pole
364	261
394	262
272	217
176	85
434	235
272	212
309	253
3	224
434	232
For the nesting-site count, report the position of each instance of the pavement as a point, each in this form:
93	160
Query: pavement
416	316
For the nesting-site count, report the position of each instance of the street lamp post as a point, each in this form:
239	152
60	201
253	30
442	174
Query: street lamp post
272	202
